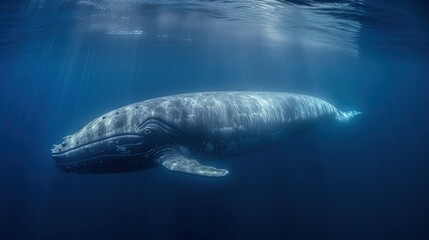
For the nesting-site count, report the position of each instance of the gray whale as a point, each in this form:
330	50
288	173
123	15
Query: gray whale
178	131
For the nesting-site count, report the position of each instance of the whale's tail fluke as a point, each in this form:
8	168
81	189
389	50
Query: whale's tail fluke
346	117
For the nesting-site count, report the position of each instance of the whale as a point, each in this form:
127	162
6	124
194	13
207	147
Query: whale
182	132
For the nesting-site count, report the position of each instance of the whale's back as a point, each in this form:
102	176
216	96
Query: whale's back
251	110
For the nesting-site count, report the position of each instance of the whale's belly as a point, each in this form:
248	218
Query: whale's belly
231	142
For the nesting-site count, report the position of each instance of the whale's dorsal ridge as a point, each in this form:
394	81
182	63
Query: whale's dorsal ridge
173	160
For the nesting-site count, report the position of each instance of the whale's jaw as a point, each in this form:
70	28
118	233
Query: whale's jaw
121	153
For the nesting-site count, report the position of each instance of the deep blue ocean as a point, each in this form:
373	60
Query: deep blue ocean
66	62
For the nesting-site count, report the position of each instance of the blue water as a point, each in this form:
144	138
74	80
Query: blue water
64	63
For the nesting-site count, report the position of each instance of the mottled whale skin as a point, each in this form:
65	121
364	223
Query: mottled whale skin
178	131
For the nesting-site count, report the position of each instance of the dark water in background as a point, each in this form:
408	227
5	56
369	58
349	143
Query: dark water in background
63	63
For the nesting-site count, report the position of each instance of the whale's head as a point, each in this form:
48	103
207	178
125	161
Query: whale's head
119	141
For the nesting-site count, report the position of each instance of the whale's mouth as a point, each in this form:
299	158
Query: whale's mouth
114	154
58	150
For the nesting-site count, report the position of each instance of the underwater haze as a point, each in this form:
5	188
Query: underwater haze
65	62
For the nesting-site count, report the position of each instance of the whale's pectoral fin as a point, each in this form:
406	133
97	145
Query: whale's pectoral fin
176	162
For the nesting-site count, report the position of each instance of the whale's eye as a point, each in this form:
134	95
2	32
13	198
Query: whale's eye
147	131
